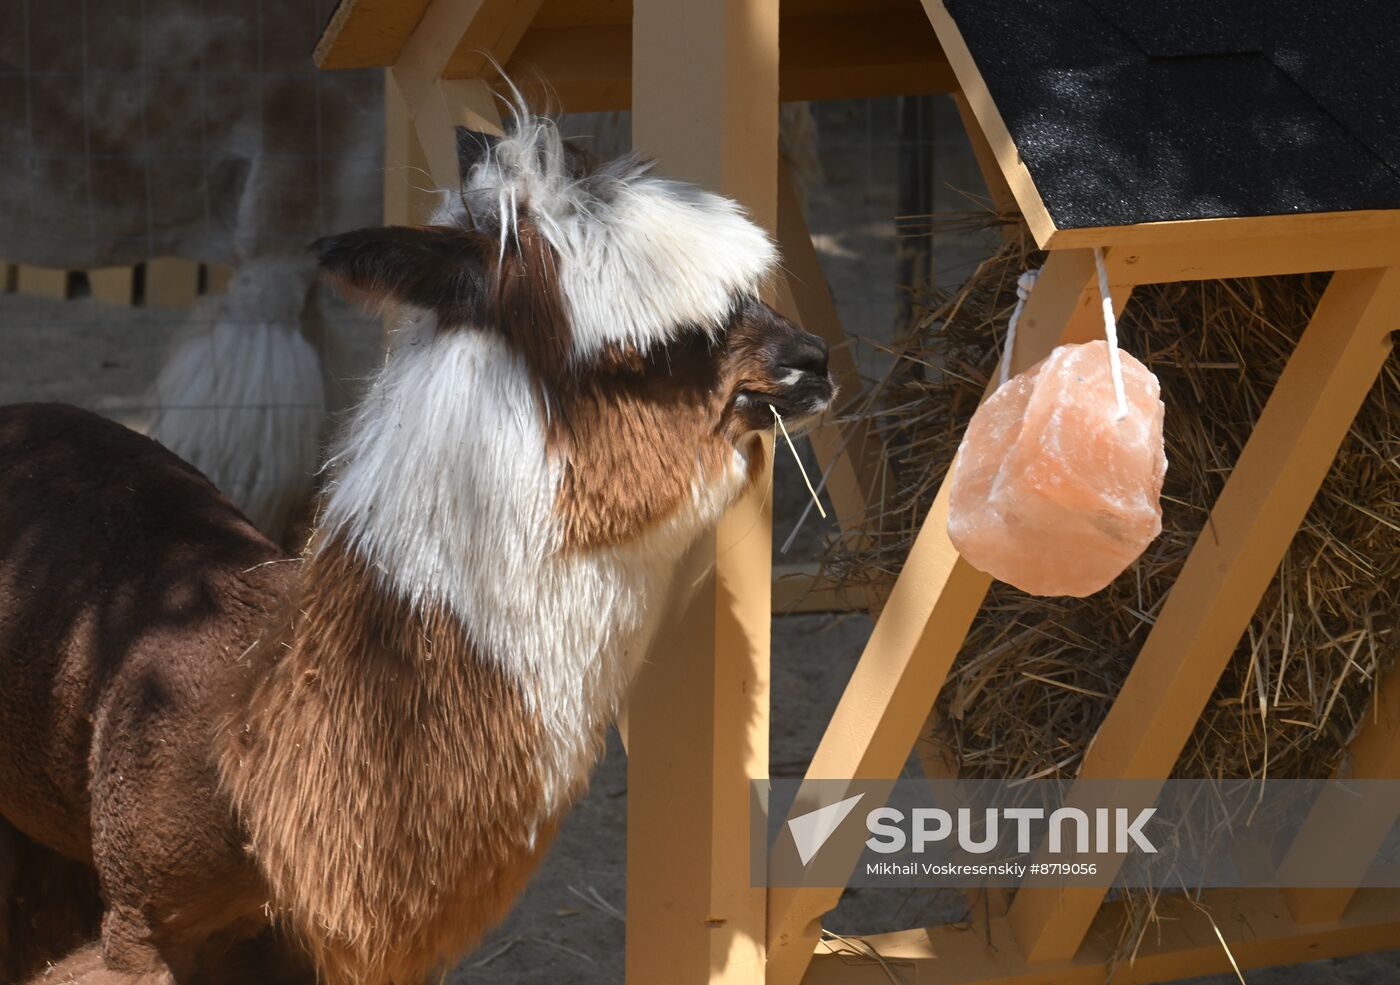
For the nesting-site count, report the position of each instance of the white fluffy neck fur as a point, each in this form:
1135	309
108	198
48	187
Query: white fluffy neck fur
444	485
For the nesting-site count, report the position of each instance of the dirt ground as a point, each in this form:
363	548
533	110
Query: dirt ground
568	928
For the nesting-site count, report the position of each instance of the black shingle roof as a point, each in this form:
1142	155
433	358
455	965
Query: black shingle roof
1129	111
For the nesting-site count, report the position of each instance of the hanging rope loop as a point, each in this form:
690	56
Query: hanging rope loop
1024	283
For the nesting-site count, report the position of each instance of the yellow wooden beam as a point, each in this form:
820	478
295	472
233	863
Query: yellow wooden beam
705	104
1255	924
921	629
451	103
584	13
992	126
861	54
449	27
1291	249
451	38
408	183
588	67
802	588
493	37
367	33
437	104
1333	226
1268	493
445	27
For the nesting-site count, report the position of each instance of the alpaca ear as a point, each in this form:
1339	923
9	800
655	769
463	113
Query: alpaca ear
529	308
440	269
473	146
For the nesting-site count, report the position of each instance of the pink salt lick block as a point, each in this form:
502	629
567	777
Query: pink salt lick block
1051	491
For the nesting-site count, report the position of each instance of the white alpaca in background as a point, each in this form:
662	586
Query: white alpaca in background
241	396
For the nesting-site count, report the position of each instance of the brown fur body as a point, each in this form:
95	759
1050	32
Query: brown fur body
382	769
188	671
129	589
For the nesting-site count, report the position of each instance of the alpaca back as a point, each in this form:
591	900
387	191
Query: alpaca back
128	585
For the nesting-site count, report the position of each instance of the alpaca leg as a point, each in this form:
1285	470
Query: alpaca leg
127	947
86	966
265	959
48	905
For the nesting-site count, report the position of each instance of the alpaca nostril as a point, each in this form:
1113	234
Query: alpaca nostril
805	354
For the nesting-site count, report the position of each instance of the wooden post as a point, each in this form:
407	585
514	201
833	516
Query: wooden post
408	183
449	104
1259	510
449	33
705	103
422	108
921	628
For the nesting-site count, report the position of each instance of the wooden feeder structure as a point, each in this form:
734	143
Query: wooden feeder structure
1188	145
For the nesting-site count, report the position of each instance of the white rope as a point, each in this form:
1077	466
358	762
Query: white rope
1110	331
1024	283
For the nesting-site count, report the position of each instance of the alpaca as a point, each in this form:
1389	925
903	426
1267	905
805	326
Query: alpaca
344	766
241	395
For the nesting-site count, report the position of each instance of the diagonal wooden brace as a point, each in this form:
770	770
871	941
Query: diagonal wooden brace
1264	501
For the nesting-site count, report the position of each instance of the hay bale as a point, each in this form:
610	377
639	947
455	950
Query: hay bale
1037	675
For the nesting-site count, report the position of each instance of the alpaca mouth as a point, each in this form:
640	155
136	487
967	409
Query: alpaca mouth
800	403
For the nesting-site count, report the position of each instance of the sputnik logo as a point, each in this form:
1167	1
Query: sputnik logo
810	831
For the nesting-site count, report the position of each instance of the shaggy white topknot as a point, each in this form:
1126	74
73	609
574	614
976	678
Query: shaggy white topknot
641	258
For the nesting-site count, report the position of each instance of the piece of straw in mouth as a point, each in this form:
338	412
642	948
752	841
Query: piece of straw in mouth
783	427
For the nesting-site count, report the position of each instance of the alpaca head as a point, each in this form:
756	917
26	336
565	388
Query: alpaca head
632	301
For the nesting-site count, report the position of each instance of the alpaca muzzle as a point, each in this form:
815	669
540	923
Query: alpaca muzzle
803	387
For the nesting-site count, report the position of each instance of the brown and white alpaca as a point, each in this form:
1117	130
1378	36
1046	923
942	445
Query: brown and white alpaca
347	765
